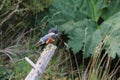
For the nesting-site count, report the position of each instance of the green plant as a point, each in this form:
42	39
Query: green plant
6	73
86	24
18	17
99	67
22	68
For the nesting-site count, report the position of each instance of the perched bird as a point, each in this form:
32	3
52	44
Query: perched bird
48	38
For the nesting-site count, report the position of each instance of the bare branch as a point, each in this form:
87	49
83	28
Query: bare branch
30	62
39	68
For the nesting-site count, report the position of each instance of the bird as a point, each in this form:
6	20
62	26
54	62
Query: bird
48	38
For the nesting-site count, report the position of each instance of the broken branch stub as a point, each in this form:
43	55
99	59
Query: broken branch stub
42	63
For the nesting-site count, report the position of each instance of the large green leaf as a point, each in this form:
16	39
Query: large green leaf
111	9
78	19
77	9
80	30
92	41
111	27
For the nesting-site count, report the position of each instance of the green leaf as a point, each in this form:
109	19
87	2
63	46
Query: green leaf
76	32
79	9
111	27
78	19
111	8
92	42
76	39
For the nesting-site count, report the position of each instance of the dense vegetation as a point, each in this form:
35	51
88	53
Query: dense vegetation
89	39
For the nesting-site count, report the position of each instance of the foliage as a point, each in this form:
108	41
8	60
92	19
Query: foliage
18	16
86	22
36	5
17	29
21	70
111	28
111	8
81	20
6	73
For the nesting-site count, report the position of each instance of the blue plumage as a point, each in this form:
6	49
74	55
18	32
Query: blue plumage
52	33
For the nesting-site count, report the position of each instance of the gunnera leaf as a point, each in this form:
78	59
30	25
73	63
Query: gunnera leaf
111	27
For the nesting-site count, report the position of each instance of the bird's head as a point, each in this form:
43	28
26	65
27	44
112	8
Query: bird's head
53	30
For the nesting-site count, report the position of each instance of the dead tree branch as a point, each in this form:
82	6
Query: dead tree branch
39	68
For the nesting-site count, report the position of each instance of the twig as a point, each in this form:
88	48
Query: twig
30	62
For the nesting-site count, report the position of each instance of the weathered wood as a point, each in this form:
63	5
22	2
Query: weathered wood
30	62
39	68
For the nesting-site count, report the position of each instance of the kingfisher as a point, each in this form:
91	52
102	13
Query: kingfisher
48	38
